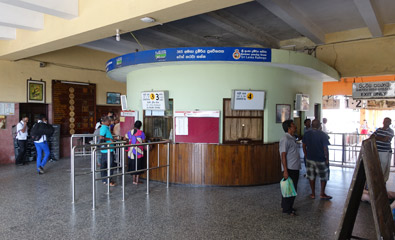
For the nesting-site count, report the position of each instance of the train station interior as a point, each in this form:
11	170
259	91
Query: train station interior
212	168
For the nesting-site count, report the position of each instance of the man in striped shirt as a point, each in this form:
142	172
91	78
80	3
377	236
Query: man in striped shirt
384	137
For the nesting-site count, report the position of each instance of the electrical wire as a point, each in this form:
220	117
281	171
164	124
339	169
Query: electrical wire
138	42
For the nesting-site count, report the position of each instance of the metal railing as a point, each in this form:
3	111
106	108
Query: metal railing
345	147
82	140
121	159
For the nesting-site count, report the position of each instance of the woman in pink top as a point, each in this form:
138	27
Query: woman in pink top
135	136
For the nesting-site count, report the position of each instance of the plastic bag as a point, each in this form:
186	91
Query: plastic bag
287	188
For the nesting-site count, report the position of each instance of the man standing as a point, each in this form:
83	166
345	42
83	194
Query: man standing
105	134
315	148
41	131
324	127
384	137
21	136
290	163
307	125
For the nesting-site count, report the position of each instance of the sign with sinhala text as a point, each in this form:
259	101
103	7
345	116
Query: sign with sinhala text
158	100
373	90
248	100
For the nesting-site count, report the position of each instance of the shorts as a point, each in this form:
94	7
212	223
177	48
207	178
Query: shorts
314	168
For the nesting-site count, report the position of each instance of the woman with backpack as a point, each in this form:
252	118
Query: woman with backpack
135	136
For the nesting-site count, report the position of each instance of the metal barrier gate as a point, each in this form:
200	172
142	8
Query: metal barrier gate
121	149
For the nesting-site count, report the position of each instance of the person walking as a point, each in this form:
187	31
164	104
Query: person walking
315	148
41	131
290	163
21	136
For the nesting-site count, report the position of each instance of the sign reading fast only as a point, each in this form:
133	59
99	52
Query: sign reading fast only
373	90
155	100
248	100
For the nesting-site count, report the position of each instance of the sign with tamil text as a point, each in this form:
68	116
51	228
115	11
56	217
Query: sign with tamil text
248	100
155	100
373	90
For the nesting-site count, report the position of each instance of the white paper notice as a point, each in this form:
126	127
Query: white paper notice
2	112
181	126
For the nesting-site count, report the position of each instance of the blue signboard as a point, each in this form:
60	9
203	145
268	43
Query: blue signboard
192	54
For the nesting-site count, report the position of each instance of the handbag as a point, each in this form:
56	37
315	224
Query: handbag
287	188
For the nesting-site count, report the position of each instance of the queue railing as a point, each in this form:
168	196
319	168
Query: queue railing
121	146
83	140
345	147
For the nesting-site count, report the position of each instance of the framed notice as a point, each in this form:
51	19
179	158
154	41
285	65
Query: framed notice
155	100
35	91
283	112
113	98
248	100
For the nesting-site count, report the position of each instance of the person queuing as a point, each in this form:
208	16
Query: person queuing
41	132
315	148
106	136
384	137
21	136
290	162
135	136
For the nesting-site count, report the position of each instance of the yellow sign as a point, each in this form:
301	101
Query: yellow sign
250	96
152	96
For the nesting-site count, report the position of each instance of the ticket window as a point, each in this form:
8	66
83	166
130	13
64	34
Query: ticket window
242	126
158	124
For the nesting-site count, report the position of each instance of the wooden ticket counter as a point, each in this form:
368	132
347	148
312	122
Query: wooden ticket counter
218	164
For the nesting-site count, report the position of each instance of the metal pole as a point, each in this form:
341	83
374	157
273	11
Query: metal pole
93	167
108	168
123	173
147	169
343	147
83	143
158	154
72	175
168	165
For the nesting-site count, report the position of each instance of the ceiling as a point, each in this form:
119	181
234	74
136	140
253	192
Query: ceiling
33	27
296	24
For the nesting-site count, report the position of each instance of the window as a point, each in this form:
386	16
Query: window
158	124
241	126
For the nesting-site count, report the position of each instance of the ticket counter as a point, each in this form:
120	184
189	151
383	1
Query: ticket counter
218	164
200	82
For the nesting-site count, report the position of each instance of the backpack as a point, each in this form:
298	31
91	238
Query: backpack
40	129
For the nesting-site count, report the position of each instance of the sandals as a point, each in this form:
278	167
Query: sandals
326	197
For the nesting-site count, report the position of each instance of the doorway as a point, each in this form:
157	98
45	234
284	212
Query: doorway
32	111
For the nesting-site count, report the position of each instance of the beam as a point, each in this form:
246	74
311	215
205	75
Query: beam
7	33
369	15
17	17
238	26
284	10
112	46
98	19
67	9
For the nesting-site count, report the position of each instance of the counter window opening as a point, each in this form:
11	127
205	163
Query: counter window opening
241	126
158	124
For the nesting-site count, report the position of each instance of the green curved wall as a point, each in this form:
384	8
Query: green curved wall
204	85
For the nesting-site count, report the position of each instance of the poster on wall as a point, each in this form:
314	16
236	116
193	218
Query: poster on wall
330	102
302	102
7	108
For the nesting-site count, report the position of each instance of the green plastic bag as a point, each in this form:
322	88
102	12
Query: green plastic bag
287	188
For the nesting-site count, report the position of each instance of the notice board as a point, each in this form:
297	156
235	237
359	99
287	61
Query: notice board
74	107
127	120
196	126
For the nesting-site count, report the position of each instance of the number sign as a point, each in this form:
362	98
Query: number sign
248	100
158	100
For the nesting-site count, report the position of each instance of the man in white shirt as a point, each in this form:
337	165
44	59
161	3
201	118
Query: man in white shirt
21	136
42	145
